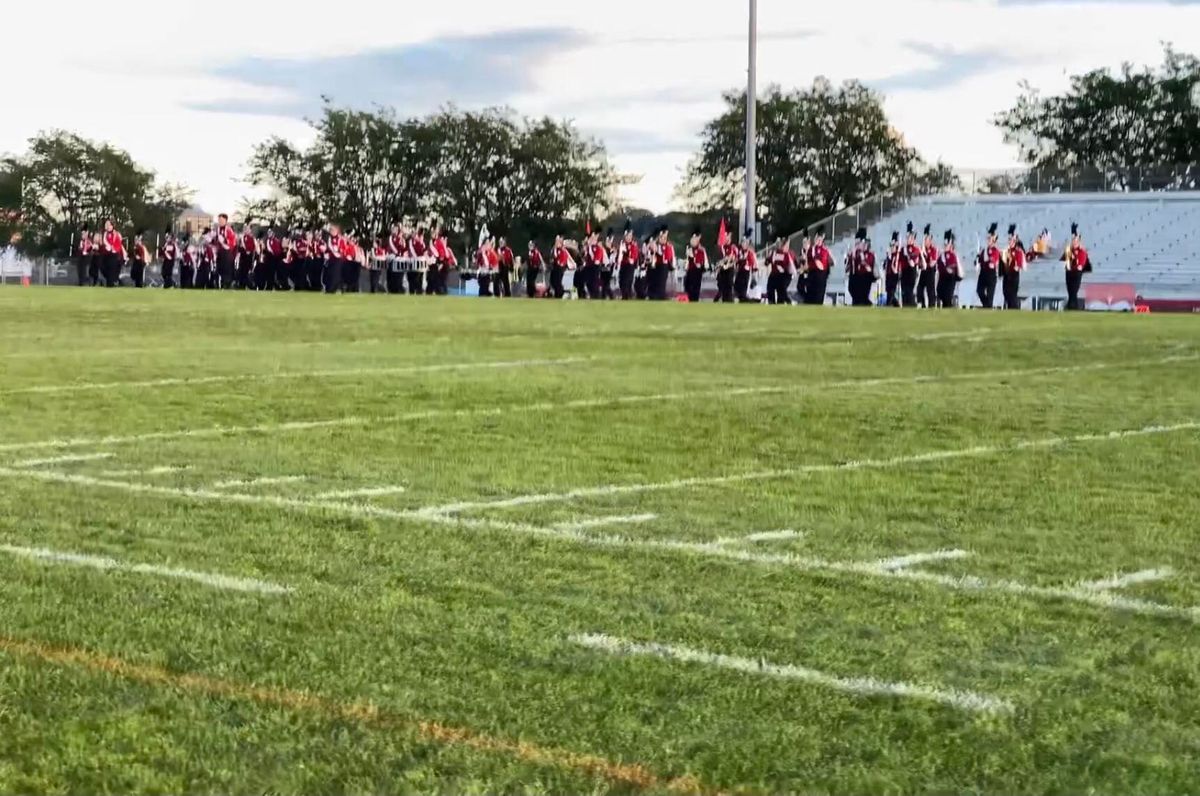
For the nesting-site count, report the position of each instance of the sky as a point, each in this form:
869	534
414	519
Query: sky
189	88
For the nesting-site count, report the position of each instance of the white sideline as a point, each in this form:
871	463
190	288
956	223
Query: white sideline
859	686
50	389
371	491
1132	579
754	538
904	562
105	563
601	522
584	403
253	482
83	457
792	472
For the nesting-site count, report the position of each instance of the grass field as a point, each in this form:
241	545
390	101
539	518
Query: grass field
275	543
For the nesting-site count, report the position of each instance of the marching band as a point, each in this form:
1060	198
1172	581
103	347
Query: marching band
417	260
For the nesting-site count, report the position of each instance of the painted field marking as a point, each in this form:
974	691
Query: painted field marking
253	482
372	491
51	389
793	472
1132	579
79	459
360	712
142	473
904	562
755	538
859	686
585	403
603	522
104	563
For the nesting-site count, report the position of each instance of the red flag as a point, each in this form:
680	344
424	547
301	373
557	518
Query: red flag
722	236
589	227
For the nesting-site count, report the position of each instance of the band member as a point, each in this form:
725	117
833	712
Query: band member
598	257
1013	263
860	268
187	265
301	255
96	266
801	256
820	262
727	273
418	249
891	279
582	273
275	276
445	260
139	259
641	279
950	273
396	248
697	264
112	247
226	241
747	266
206	273
912	261
664	265
608	266
504	274
988	264
334	246
83	255
485	260
247	264
534	263
1077	263
168	255
628	257
781	264
927	280
377	262
560	261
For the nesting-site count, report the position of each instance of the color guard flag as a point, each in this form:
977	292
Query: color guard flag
722	236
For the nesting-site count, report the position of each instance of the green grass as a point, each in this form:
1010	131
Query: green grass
457	630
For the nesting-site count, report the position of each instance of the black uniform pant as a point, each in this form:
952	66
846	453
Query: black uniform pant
373	276
137	273
860	289
531	279
556	281
658	282
641	285
225	269
351	273
927	288
591	279
168	274
503	286
112	270
202	272
316	274
331	278
818	281
414	283
485	284
625	281
725	280
777	288
908	287
95	265
187	277
394	282
1012	289
741	285
1074	284
985	288
606	288
947	290
693	279
245	269
891	283
579	282
82	263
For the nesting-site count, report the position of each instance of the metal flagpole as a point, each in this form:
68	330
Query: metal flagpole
751	213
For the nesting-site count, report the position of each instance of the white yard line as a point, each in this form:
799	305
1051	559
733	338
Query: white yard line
792	472
141	473
583	403
104	563
1132	579
374	491
79	459
52	389
254	482
602	522
755	538
860	686
904	562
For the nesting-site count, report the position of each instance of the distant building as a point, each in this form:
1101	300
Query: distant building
193	221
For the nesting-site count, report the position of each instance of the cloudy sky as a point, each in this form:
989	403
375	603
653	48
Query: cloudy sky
188	88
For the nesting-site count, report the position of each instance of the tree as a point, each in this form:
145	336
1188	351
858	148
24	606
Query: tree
466	168
66	181
819	150
1112	131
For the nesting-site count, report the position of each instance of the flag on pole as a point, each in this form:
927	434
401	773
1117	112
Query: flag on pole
589	227
722	236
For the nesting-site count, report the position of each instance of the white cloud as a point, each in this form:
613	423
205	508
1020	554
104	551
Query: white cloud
134	77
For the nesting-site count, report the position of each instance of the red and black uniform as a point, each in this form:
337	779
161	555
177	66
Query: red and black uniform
84	258
334	247
445	260
949	275
1012	276
396	248
607	267
693	278
351	266
1078	264
502	284
271	274
302	257
596	257
927	281
138	263
989	269
781	265
487	262
226	243
113	247
168	255
379	254
726	273
247	259
861	276
628	257
533	268
912	261
820	263
187	268
559	263
747	265
417	250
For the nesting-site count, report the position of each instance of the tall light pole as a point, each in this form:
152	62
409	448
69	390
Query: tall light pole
751	213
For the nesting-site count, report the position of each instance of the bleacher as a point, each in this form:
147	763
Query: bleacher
1150	240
